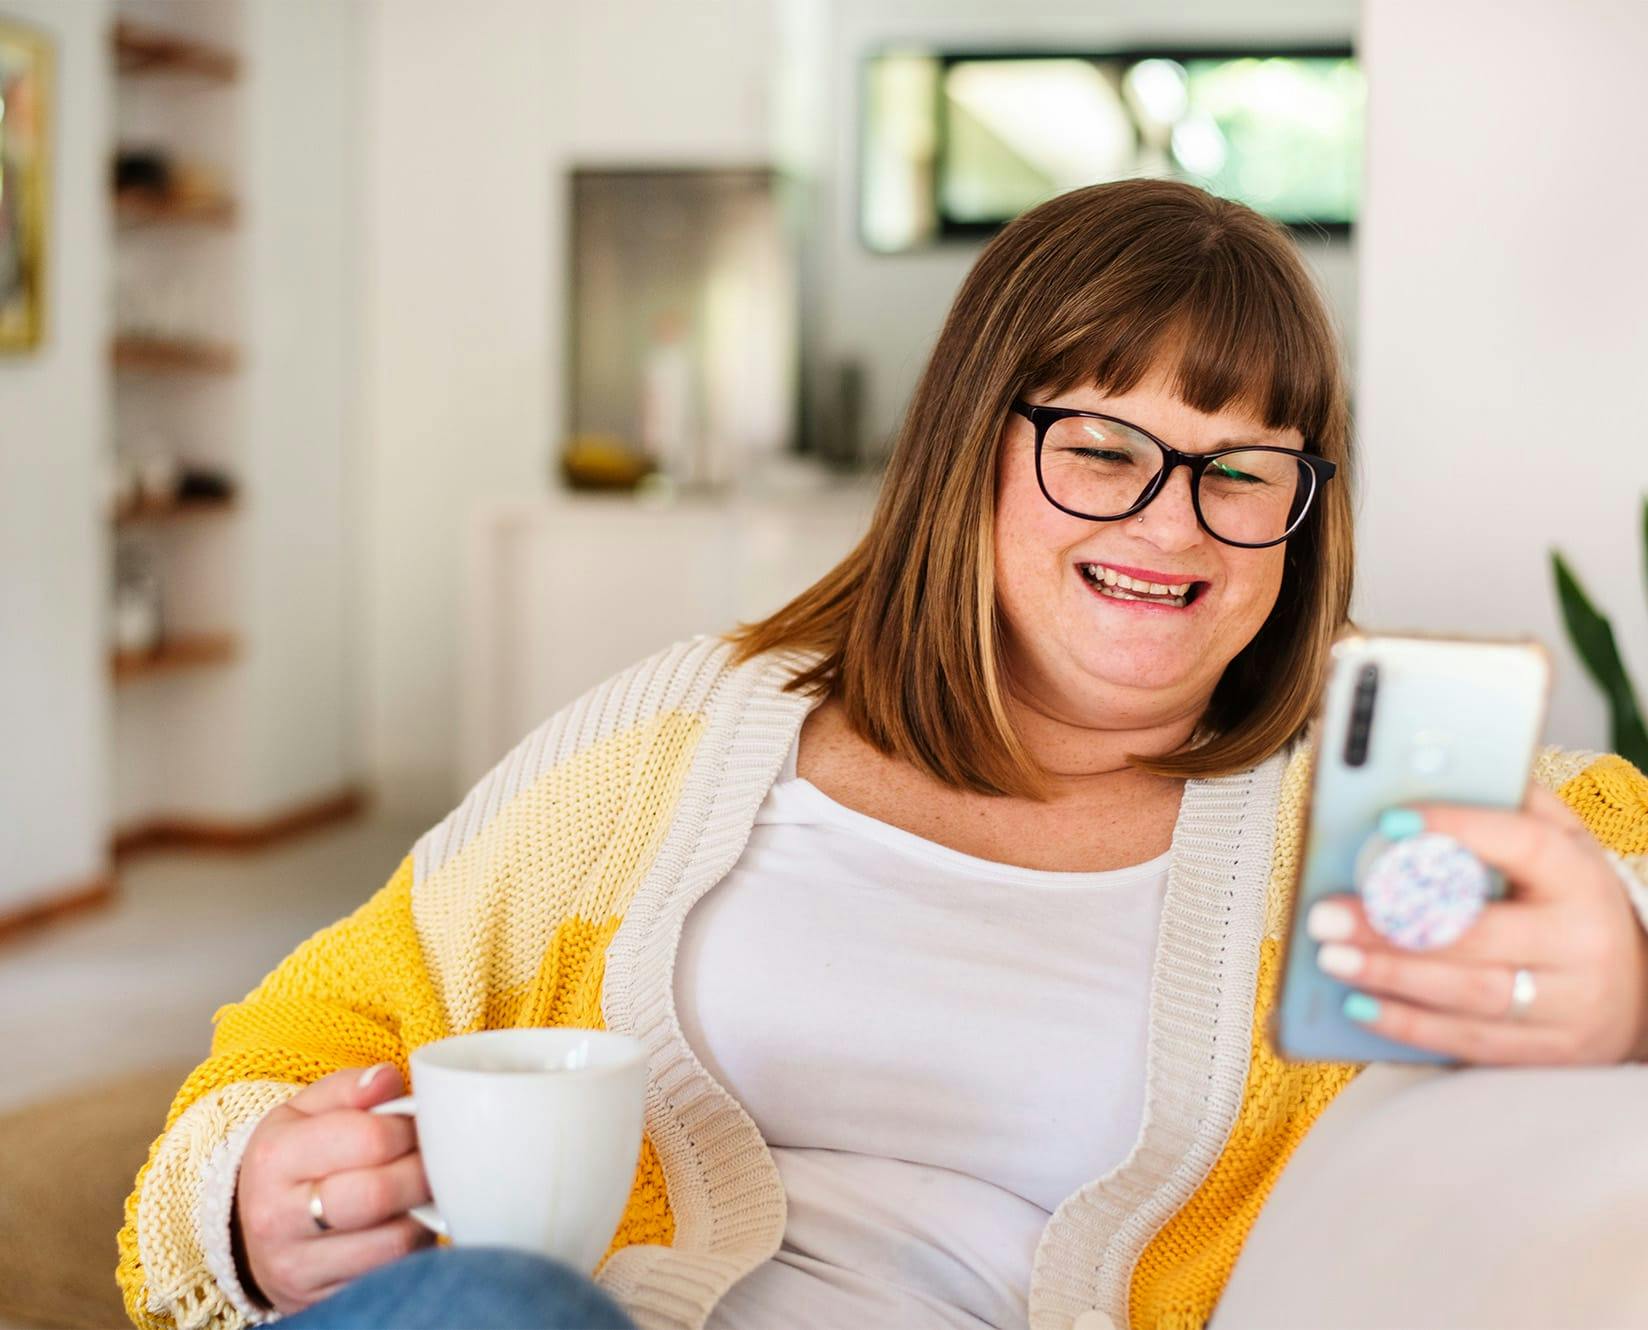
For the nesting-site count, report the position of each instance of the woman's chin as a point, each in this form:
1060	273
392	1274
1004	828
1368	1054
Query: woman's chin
1163	674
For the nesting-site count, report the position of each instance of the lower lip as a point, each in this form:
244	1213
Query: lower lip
1153	607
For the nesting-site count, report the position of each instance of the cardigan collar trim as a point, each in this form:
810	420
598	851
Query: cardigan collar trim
1203	987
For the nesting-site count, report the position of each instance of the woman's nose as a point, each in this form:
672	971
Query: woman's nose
1169	520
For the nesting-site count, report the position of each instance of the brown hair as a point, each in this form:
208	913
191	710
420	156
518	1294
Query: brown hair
1096	286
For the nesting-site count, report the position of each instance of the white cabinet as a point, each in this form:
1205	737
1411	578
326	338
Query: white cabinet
564	592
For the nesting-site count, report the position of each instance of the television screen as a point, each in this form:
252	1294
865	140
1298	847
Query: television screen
959	144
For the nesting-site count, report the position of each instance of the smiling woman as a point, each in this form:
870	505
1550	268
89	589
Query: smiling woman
947	900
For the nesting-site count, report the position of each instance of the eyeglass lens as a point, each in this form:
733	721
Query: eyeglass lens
1100	468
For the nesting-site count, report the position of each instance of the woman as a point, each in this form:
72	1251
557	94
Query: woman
986	841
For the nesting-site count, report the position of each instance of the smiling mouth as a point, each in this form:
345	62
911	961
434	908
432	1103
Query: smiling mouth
1119	586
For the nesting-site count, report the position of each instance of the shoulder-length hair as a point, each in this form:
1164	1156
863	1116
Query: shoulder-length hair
1099	286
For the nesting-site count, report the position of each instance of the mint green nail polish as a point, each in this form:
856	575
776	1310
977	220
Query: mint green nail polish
1400	823
1361	1008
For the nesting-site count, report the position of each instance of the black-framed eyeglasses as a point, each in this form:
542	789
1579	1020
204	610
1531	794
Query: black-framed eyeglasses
1103	469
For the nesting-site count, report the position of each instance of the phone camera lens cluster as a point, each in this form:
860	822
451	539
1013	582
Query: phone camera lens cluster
1361	716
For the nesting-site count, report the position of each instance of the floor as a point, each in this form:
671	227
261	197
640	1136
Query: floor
135	984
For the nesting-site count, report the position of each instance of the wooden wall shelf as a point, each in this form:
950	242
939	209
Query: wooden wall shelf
161	355
145	511
139	50
134	210
177	653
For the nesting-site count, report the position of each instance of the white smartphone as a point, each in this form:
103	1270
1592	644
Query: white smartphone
1404	719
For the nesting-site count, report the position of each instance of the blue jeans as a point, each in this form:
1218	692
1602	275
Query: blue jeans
466	1288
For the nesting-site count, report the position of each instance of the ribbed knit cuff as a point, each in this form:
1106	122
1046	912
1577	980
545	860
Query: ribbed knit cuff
1633	874
218	1180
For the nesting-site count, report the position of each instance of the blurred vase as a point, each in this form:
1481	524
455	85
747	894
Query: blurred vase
670	433
136	616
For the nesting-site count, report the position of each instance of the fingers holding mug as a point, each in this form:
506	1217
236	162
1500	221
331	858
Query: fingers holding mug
352	1087
362	1198
345	1139
288	1207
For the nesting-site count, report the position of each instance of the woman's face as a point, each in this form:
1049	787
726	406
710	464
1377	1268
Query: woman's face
1097	659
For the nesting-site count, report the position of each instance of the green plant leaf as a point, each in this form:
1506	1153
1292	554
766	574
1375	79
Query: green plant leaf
1593	638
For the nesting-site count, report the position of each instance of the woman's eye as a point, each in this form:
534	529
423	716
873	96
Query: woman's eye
1104	454
1222	471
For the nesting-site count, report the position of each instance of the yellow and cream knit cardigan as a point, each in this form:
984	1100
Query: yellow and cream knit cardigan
555	894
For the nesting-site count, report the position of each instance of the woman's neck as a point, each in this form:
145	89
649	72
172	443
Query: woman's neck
1081	755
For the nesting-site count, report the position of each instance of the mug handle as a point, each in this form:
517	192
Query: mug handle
407	1107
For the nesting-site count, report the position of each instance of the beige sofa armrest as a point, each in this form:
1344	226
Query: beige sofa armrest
1451	1199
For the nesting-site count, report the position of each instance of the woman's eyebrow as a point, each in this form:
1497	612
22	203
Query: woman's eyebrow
1260	438
1251	441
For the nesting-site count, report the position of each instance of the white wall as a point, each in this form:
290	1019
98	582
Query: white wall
654	83
302	425
460	366
53	424
1503	336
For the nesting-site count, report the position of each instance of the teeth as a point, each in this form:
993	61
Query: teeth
1119	585
1116	593
1097	572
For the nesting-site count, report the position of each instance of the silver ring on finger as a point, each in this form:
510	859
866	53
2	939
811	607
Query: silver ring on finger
317	1211
1523	992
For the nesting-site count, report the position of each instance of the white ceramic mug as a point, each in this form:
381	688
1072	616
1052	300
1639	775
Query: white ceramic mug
530	1138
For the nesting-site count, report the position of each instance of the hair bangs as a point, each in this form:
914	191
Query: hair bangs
1227	330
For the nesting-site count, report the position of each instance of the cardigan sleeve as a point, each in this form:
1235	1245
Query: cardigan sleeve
355	994
1611	798
500	916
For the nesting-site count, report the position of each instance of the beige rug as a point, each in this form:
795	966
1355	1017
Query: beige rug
66	1166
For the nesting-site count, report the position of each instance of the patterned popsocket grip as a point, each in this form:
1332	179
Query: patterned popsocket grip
1421	891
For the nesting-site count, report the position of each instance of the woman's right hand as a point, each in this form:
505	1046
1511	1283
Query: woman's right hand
368	1173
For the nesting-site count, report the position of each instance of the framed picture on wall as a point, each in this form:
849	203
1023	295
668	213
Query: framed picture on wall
25	109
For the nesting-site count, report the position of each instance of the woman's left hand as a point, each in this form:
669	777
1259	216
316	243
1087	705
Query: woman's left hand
1567	920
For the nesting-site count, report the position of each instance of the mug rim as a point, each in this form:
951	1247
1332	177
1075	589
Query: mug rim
635	1054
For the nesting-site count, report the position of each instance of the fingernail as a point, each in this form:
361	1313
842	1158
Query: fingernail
1361	1008
1329	921
370	1074
1400	823
1339	960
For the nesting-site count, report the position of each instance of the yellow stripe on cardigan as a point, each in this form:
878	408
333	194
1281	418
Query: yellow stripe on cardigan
521	899
575	842
1611	798
1179	1276
567	992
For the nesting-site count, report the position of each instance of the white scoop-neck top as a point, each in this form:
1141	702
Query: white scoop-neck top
937	1048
